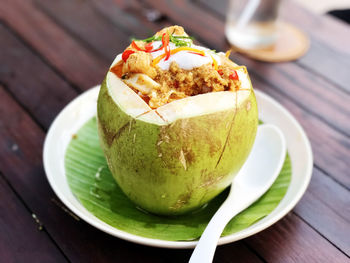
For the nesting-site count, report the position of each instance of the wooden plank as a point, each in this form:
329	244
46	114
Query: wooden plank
325	206
234	252
291	240
175	255
307	90
332	64
27	77
325	28
330	44
20	237
104	38
75	62
182	255
124	15
21	163
146	21
329	55
201	24
259	84
330	148
114	21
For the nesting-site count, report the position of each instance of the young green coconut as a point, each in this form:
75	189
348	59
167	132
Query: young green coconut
176	157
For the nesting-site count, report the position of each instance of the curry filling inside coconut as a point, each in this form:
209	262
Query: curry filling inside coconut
168	67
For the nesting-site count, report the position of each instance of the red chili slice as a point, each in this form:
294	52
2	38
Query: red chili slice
134	45
220	71
126	54
234	75
165	41
196	53
167	53
149	47
162	46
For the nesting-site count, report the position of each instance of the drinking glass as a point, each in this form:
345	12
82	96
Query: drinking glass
252	24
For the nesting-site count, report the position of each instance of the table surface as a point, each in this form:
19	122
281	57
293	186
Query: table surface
51	51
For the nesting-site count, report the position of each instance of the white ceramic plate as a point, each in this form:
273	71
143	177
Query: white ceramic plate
80	110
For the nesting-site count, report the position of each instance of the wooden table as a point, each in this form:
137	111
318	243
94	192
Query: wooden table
51	51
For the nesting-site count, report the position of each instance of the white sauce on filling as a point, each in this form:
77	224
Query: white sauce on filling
184	58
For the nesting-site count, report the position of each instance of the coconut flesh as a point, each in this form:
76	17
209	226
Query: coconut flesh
175	158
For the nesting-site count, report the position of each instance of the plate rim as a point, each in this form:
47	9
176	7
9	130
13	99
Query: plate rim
99	224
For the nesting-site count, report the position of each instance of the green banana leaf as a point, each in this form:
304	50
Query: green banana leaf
92	183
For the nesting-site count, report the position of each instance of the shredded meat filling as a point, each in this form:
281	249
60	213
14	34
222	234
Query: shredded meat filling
174	83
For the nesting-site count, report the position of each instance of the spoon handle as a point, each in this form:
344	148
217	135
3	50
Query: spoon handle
205	249
254	178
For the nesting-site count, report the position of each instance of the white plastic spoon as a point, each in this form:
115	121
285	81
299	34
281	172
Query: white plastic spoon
254	179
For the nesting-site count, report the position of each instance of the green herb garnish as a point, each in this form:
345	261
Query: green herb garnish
179	41
150	39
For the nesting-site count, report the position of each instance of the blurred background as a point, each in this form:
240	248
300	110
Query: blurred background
53	50
325	6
